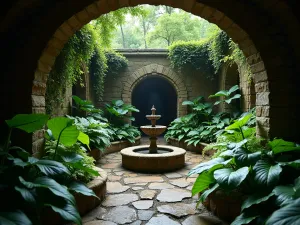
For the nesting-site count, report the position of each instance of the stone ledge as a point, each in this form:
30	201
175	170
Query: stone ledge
153	163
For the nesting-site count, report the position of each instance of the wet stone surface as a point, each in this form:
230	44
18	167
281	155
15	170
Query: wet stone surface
152	199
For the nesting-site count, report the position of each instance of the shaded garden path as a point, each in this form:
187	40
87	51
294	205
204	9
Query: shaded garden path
136	198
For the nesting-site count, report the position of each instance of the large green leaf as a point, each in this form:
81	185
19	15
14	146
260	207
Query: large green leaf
229	179
26	194
266	174
206	166
118	103
256	199
285	194
187	103
28	122
240	122
228	101
14	218
288	215
245	218
244	158
50	167
203	182
82	189
52	185
69	213
233	89
84	139
79	165
63	127
295	164
279	146
220	94
208	192
70	157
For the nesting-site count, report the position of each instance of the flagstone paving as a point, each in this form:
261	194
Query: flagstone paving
149	199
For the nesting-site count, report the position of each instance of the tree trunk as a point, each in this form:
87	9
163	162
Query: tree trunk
123	36
144	29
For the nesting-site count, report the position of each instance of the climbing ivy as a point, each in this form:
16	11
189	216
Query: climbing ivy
83	50
116	62
205	55
98	69
67	69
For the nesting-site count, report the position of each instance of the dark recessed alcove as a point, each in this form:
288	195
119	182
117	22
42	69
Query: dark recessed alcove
157	91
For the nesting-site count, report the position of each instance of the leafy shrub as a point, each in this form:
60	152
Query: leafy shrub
80	165
268	177
117	112
35	184
202	124
98	132
125	132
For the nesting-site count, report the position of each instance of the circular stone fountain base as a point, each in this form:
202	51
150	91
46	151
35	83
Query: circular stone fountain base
169	159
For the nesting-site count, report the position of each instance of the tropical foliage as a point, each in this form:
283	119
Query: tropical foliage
32	184
267	175
202	124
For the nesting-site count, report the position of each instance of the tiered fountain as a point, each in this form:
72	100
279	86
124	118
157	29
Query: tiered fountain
153	158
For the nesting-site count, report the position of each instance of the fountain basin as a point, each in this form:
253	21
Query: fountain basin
153	131
136	159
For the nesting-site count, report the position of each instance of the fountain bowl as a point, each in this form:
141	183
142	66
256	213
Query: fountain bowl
153	131
168	158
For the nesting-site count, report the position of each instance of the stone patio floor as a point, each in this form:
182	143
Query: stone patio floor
152	199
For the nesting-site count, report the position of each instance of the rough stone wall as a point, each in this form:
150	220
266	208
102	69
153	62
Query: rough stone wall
227	78
142	63
64	105
269	40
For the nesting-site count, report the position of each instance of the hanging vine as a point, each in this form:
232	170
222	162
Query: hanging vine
207	55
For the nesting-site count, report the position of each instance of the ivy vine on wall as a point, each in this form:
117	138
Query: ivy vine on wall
206	55
81	51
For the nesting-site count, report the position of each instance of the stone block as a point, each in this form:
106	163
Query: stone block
225	23
93	10
262	87
123	3
38	101
74	23
83	16
263	99
67	29
197	9
263	121
41	110
250	50
38	146
38	135
260	76
207	12
47	59
39	88
160	69
258	67
188	5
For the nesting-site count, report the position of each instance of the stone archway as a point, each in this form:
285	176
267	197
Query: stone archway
259	27
94	10
157	70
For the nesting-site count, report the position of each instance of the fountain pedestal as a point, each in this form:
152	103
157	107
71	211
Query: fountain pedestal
153	158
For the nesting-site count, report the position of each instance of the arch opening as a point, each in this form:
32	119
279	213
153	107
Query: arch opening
157	91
